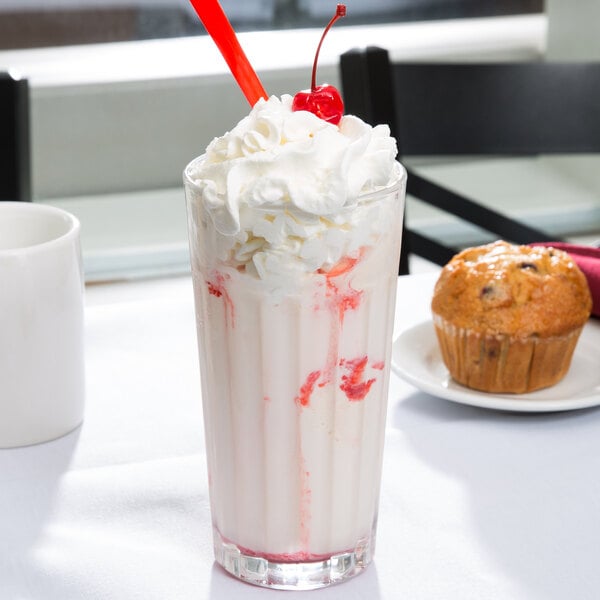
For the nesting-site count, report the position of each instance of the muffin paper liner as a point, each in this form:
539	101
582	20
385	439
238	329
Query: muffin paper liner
501	363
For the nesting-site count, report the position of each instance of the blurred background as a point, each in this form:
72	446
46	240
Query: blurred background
123	93
37	23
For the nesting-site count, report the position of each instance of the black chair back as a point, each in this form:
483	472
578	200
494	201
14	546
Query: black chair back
473	109
518	108
15	171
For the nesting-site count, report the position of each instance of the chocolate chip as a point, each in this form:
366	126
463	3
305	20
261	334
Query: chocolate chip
495	294
528	265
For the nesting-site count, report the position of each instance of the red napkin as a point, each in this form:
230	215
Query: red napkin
588	260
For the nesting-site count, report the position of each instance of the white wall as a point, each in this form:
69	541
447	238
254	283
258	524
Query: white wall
125	117
573	29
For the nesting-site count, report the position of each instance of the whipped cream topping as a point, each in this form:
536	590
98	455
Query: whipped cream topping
277	157
282	188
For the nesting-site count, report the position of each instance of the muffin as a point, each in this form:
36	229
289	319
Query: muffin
508	317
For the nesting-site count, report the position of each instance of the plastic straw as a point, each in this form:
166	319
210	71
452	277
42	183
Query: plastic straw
219	28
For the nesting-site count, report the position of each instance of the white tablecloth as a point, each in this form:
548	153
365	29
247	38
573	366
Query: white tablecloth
475	504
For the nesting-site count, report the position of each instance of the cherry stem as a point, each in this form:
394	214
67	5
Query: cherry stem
218	26
339	12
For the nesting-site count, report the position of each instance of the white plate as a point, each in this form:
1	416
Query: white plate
417	359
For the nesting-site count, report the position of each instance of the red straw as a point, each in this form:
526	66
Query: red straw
218	26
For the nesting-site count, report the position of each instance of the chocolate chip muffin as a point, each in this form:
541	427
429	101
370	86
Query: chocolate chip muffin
508	317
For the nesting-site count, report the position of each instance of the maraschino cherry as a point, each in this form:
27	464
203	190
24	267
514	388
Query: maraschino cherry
322	100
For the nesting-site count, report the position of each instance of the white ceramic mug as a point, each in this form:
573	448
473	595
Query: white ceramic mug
41	324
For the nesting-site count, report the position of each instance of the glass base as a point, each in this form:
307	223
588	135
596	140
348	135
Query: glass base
289	574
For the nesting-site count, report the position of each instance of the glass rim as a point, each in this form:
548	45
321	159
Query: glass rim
41	212
398	180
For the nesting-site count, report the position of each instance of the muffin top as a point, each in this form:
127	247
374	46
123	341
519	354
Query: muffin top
502	288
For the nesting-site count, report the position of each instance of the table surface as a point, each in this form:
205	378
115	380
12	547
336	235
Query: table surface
475	503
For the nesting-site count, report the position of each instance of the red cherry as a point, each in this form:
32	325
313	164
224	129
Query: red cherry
324	100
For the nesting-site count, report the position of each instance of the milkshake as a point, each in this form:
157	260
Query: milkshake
295	227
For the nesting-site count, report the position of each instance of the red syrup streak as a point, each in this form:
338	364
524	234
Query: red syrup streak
306	390
286	557
342	266
379	366
217	288
353	383
340	301
305	502
214	291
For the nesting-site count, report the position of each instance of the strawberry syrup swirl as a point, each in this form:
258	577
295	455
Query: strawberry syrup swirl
305	504
354	384
340	300
217	288
286	557
306	390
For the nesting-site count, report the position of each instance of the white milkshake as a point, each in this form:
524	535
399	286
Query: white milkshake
295	231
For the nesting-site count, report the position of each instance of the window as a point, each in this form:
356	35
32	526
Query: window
115	118
42	23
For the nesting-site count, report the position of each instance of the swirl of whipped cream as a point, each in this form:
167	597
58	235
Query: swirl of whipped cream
278	158
282	195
